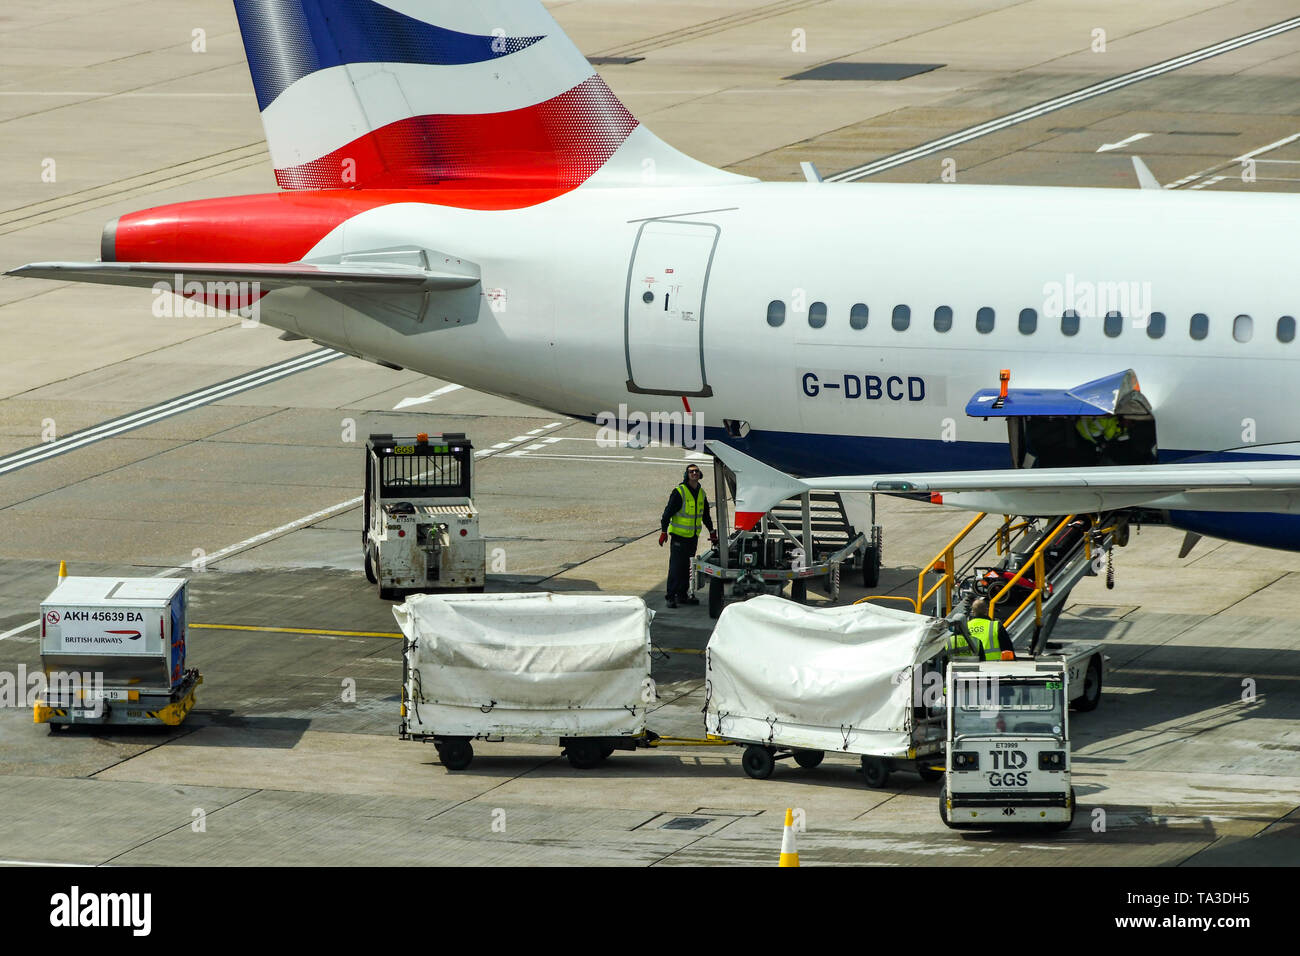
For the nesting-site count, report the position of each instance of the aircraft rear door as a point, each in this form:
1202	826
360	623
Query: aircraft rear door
667	285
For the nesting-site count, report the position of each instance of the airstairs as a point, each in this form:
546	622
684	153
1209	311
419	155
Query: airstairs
1026	567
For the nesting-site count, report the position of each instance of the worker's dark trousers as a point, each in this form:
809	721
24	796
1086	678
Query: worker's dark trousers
680	552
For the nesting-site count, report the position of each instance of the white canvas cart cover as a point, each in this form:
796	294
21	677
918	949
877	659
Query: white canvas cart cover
832	679
549	665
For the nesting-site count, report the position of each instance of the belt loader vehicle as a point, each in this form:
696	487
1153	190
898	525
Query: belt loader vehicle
420	528
1008	745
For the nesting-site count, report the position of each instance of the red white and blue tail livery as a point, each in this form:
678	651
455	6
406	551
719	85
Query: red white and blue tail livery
411	93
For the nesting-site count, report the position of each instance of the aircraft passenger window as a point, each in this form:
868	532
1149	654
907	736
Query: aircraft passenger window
775	312
942	319
1155	325
1069	322
984	320
1200	327
1243	327
1113	325
902	318
858	316
817	314
1286	329
1028	321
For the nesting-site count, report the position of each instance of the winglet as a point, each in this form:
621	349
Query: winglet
759	487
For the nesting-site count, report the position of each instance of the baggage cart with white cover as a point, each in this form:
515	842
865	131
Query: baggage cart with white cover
792	681
570	666
113	652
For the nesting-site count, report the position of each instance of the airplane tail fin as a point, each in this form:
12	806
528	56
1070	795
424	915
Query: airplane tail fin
419	93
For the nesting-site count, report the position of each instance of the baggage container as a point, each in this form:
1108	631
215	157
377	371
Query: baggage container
786	680
568	666
113	652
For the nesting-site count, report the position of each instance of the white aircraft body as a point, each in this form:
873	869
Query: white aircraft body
464	197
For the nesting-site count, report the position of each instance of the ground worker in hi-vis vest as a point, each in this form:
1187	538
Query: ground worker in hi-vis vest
979	636
687	512
1102	431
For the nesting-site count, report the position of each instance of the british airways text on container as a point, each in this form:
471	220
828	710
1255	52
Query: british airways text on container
850	385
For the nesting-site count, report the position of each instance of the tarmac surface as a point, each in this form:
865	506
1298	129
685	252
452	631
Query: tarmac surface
107	107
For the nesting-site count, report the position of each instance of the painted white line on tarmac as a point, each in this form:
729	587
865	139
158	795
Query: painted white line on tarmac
42	863
18	630
1244	157
265	536
1107	147
408	402
167	409
1060	102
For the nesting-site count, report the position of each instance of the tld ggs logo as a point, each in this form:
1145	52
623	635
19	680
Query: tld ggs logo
1009	779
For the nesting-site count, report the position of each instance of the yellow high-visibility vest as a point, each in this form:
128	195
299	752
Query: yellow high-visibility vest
984	634
1102	426
690	518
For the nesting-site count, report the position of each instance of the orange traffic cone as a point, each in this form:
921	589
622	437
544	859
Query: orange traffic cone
789	855
63	570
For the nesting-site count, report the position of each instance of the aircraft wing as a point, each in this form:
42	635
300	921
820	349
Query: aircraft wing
374	276
1267	486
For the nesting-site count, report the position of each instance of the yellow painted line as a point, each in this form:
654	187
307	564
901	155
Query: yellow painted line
682	650
295	630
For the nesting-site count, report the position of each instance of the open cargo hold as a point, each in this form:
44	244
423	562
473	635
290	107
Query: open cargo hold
571	666
784	677
113	652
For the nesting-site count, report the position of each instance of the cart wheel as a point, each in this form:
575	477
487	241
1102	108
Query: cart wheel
370	569
583	754
1091	696
928	773
943	814
715	597
758	761
57	728
454	753
799	590
876	771
809	758
870	566
606	751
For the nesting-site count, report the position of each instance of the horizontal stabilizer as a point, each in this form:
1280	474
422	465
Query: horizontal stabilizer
371	276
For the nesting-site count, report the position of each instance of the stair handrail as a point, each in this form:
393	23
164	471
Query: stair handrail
1039	565
949	557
